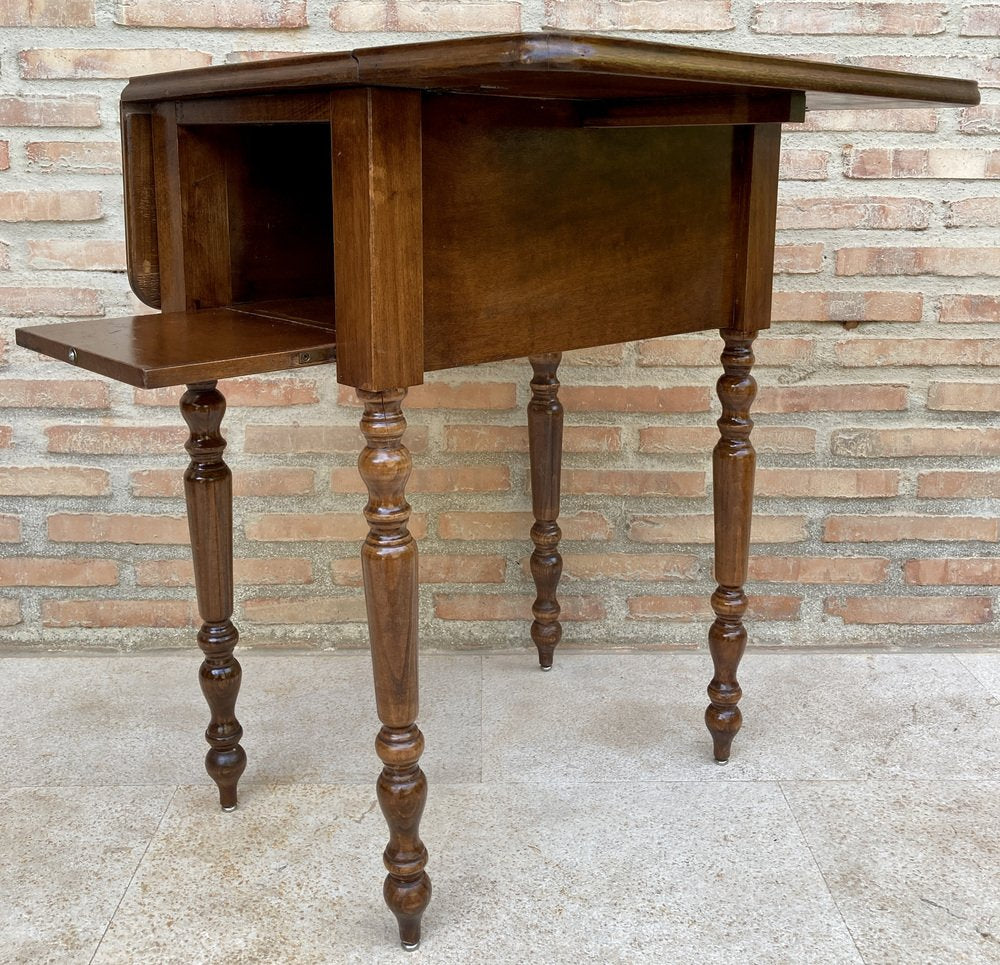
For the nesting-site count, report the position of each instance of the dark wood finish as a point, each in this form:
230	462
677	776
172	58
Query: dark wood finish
176	348
208	489
261	109
142	252
389	568
379	260
768	107
167	188
733	464
545	425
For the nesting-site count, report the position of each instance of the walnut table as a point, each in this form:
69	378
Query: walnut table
407	209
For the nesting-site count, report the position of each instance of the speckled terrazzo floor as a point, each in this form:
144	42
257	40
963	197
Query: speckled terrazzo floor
572	817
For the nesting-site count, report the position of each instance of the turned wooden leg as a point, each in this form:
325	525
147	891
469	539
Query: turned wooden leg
545	425
208	488
389	566
733	464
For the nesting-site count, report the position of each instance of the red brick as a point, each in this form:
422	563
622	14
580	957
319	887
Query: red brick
873	213
6	436
958	484
890	529
434	479
18	111
56	63
600	356
913	162
319	439
118	613
53	394
254	56
47	13
969	309
799	165
633	482
973	213
467	16
277	570
50	205
274	481
117	440
843	17
702	439
912	610
882	352
62	302
964	396
492	606
53	481
433	569
699	351
981	21
118	528
679	15
798	259
847	306
654	567
10	529
641	398
984	69
872	119
827	483
487	438
690	608
960	572
818	569
82	255
243	393
4	157
35	571
336	527
692	528
831	398
241	14
917	441
10	613
448	395
954	262
74	157
516	526
984	119
305	610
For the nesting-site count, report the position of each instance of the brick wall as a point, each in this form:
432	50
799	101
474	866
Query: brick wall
877	511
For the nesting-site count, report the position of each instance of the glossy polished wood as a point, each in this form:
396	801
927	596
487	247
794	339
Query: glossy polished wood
208	489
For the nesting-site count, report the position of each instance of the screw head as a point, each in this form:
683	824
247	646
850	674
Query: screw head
72	355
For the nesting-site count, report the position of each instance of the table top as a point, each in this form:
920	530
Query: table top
561	65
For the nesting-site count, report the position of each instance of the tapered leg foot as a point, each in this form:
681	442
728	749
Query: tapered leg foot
545	425
208	490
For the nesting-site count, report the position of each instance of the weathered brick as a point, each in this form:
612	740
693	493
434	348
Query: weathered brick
436	15
635	398
274	481
969	309
984	119
486	438
62	62
916	441
839	306
10	612
47	13
118	613
54	481
798	259
871	119
844	17
117	528
953	262
243	393
238	14
278	570
434	568
973	213
695	528
984	69
434	479
680	15
319	439
10	529
890	529
116	440
633	482
4	155
494	606
39	111
804	165
981	20
913	162
63	302
53	394
882	352
599	356
305	610
50	205
477	527
964	396
818	569
698	351
953	572
651	567
37	571
873	213
312	527
697	608
83	255
958	484
831	398
6	436
827	483
701	439
912	610
449	395
74	157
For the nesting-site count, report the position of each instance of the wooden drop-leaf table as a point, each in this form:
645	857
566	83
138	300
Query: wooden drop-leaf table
414	208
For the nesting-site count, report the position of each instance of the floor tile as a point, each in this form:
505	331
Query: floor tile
140	719
668	873
914	866
633	717
67	855
985	667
